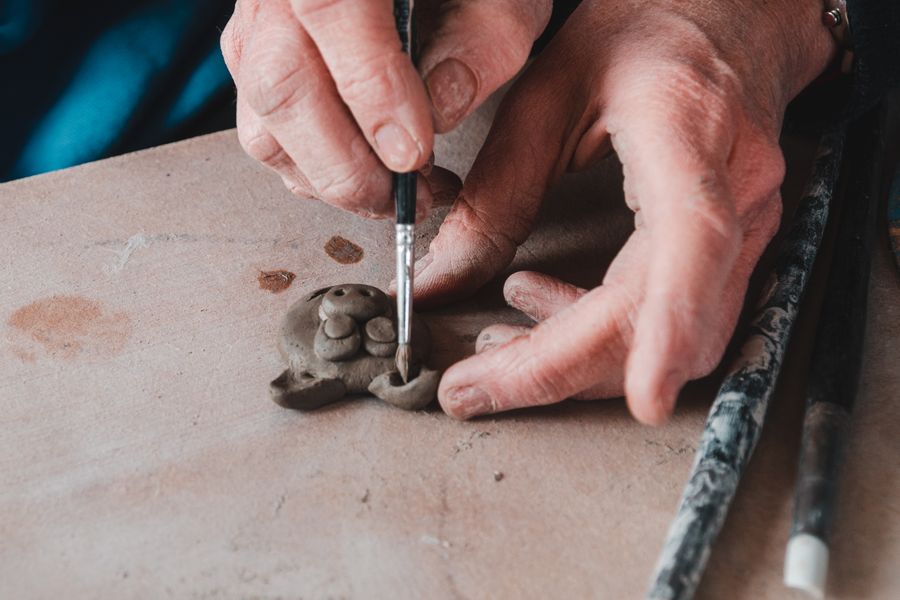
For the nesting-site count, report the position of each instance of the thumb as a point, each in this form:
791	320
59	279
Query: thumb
473	49
501	196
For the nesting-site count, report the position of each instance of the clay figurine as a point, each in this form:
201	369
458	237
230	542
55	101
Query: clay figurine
341	340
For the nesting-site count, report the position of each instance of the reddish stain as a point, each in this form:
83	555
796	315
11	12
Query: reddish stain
275	281
24	355
343	250
67	326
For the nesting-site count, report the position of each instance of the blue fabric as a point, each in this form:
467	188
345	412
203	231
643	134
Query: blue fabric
87	80
18	20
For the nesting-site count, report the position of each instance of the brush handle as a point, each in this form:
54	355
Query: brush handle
405	183
836	362
405	197
736	417
837	353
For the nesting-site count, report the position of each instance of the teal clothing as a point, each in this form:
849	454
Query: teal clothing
82	81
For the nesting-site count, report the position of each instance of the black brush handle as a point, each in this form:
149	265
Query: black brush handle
405	183
837	353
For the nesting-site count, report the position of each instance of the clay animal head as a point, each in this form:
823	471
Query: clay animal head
342	340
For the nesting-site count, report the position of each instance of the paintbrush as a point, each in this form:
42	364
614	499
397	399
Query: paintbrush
405	202
736	417
835	364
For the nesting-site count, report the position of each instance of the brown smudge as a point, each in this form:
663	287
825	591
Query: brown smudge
275	281
24	355
67	326
343	250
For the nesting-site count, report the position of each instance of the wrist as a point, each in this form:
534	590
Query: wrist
808	45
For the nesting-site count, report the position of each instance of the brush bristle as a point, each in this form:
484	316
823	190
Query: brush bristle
402	360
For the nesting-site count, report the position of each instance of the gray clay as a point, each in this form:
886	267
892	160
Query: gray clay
342	340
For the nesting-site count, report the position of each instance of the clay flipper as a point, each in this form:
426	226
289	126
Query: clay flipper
415	395
305	392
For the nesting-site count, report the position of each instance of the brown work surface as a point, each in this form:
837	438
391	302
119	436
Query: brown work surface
141	457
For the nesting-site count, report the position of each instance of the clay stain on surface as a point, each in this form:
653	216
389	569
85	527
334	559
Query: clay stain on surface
275	281
343	250
66	327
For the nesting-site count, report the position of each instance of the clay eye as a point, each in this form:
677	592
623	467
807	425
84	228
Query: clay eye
339	292
366	293
339	326
381	329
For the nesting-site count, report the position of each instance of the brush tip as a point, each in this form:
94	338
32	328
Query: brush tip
402	361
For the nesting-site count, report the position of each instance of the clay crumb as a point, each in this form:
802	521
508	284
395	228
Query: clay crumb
365	497
468	443
343	250
279	504
431	540
275	281
498	476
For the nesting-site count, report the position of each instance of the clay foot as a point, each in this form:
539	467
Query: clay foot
305	392
416	394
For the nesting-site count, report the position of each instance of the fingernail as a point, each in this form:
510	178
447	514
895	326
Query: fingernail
426	169
422	264
468	401
396	147
452	87
483	342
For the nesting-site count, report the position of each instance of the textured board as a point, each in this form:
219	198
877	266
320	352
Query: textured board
140	455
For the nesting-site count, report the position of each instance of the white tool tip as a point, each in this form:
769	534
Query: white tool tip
806	564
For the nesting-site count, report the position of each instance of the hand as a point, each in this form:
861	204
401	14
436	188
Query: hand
327	99
691	96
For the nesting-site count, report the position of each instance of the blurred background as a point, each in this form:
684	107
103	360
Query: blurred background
85	80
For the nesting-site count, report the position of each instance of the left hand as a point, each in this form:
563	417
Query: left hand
691	95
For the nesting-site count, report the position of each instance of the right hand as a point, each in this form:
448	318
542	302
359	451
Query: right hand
327	99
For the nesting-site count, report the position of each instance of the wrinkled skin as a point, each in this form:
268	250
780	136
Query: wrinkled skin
689	94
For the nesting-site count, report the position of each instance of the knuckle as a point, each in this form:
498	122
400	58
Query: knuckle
231	45
685	103
277	85
472	219
491	42
348	186
372	84
771	168
261	146
543	377
294	186
511	38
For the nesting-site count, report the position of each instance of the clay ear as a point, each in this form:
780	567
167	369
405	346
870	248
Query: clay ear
317	293
305	392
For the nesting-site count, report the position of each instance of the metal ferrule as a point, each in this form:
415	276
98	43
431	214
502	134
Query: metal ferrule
406	237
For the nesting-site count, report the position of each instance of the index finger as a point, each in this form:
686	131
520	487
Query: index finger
359	43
